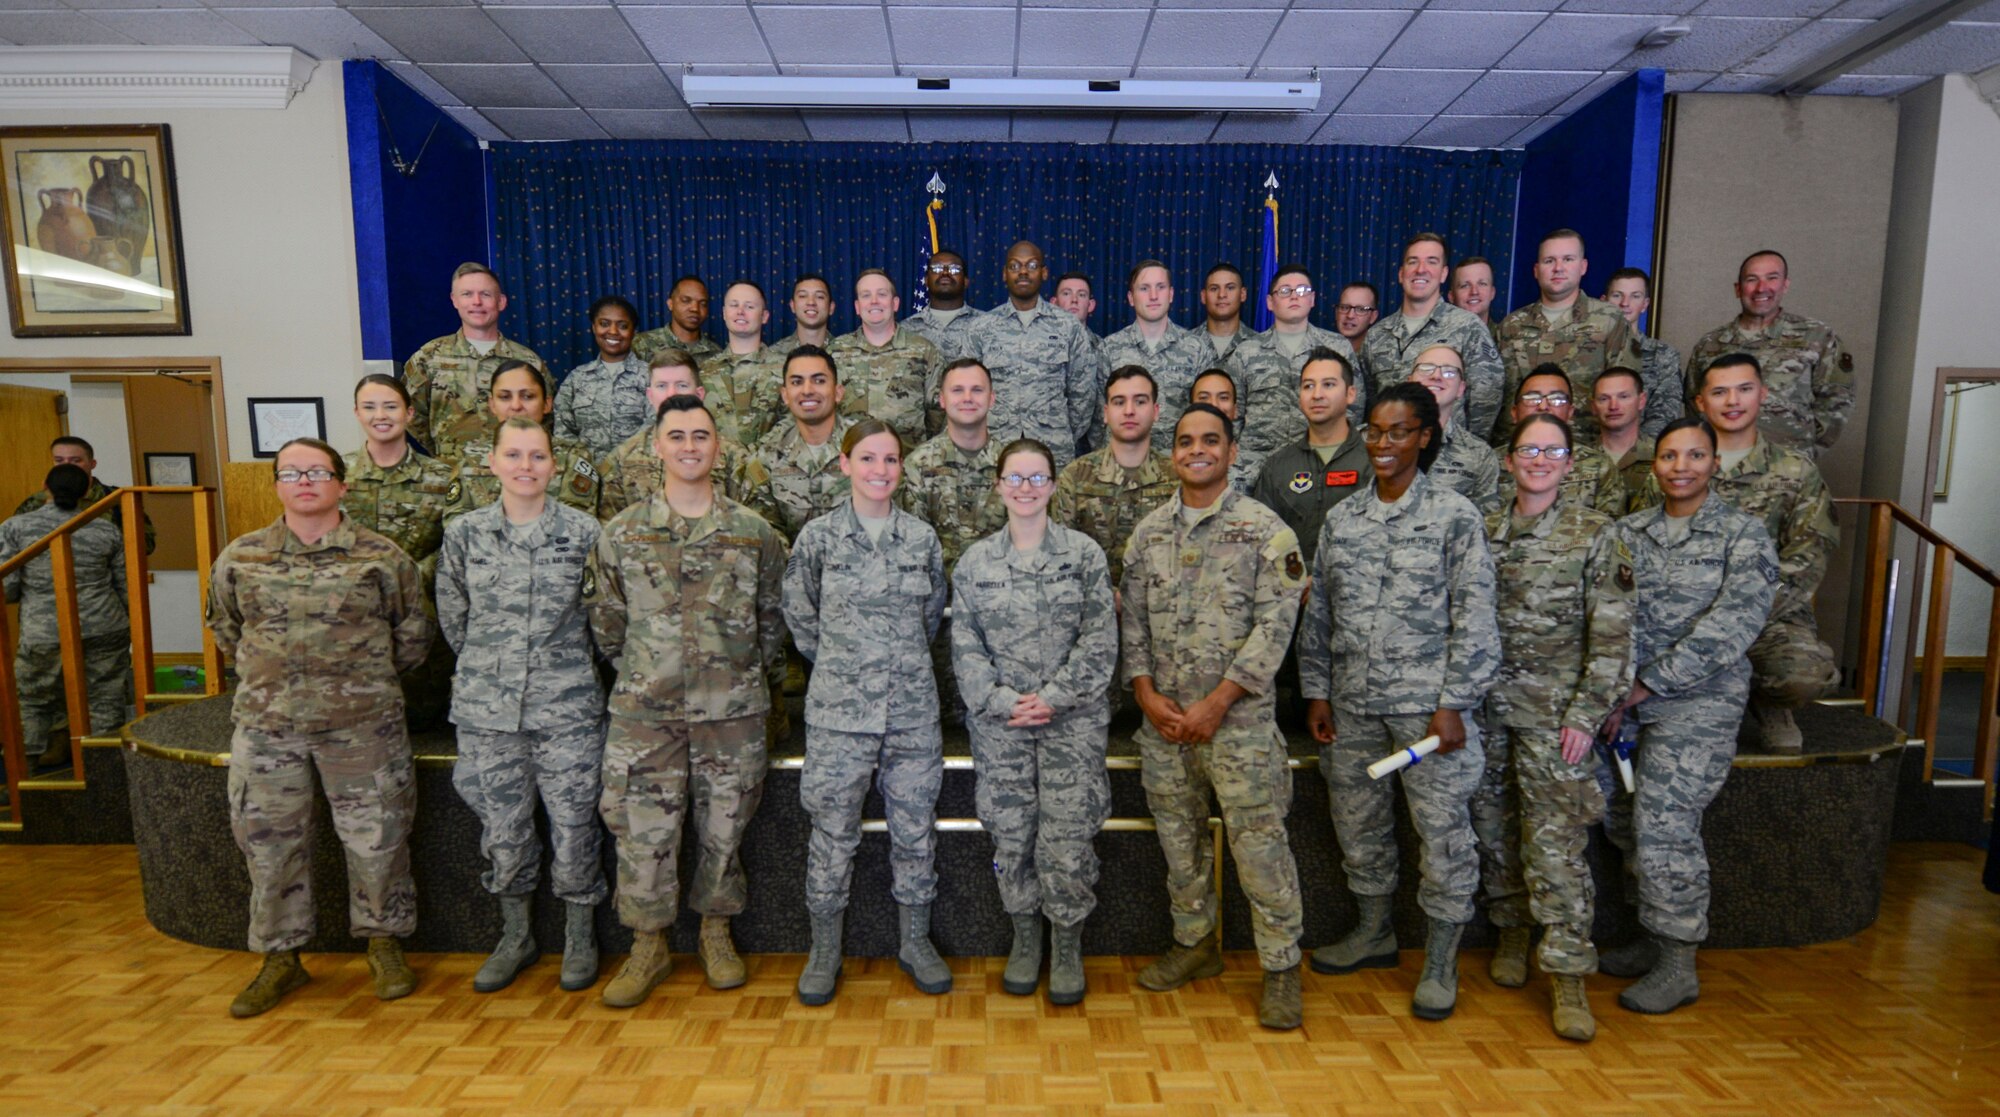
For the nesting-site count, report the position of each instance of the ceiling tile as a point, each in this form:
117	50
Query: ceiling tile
857	127
475	123
809	34
960	127
1494	5
960	71
1333	84
1718	43
698	34
1765	7
1956	48
88	5
1207	37
1665	9
1268	128
1402	92
1736	83
177	27
1080	37
1077	73
953	36
1579	42
1191	73
458	35
571	34
1528	134
410	74
56	29
1459	40
648	124
1873	85
1802	44
1520	92
1591	92
1165	128
235	4
514	86
1471	131
1223	3
1080	3
638	88
546	124
1687	81
1069	128
408	4
945	3
321	32
1323	38
752	124
533	3
1868	9
1349	5
1362	128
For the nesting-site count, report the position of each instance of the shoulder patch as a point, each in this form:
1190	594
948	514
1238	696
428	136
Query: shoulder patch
1625	581
1847	362
1301	482
457	487
1295	567
589	582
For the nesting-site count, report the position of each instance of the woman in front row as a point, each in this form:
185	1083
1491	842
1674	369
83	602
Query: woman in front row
526	700
1564	586
1706	574
1034	637
864	595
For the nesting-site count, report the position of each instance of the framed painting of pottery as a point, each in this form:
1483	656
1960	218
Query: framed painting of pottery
93	230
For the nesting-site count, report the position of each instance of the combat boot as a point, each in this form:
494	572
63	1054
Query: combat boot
1669	985
1024	960
579	965
916	955
1778	731
1510	959
393	976
648	965
1066	981
1283	1006
1634	959
719	959
1183	964
1370	946
280	974
516	951
1569	1009
822	972
1437	989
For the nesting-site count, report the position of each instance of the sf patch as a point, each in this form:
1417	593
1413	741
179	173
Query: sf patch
1295	567
1302	482
1625	581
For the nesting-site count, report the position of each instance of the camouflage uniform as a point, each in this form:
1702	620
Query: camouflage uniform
1206	602
1038	622
97	491
1593	338
954	338
406	504
1221	351
1267	395
526	700
1704	589
894	382
1809	372
957	494
1104	500
1469	468
1389	352
318	632
601	405
1174	362
99	549
687	613
865	613
576	481
1045	376
646	345
1565	599
1635	469
1302	487
1666	393
785	483
1594	480
742	392
633	473
449	383
1400	624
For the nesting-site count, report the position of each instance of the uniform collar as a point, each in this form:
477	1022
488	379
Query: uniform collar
1155	467
1222	504
1376	510
1758	460
1542	527
790	439
1703	520
341	538
849	522
363	468
1041	307
660	514
897	340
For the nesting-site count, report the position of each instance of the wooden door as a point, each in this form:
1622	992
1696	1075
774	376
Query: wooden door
30	419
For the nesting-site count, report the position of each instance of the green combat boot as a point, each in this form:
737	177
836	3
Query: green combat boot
1437	989
1370	946
1183	964
393	976
1510	959
1635	959
516	951
916	955
579	964
1024	961
648	965
1667	986
822	972
281	973
1283	1007
1066	980
1569	1009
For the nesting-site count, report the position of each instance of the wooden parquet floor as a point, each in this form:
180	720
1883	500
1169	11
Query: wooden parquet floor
100	1014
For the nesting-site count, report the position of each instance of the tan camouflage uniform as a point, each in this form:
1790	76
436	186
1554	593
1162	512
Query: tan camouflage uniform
651	342
406	504
742	392
1045	376
449	383
894	382
601	405
789	482
1392	345
1593	338
1594	480
633	473
1104	500
99	557
1809	373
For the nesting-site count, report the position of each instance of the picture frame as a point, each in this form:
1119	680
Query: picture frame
170	469
92	231
276	420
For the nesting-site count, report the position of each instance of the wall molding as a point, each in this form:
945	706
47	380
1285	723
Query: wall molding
152	77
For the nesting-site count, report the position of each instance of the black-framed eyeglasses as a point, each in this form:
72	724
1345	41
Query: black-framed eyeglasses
1032	480
1553	453
1394	436
294	476
946	269
1344	308
1537	399
1442	372
1290	289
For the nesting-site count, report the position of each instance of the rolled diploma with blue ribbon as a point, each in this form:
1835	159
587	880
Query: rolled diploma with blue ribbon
1402	758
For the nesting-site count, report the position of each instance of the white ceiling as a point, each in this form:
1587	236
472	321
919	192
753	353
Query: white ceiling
1443	73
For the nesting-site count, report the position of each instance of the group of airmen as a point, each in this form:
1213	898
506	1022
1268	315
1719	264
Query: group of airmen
1503	535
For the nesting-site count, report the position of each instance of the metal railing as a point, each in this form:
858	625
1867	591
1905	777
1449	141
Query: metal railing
130	503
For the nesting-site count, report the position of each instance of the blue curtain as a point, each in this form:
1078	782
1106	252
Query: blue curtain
574	221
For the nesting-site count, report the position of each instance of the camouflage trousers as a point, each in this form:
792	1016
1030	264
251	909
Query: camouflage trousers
1042	795
1559	802
1789	664
371	789
908	765
1438	791
427	687
655	775
1495	807
501	775
107	684
1683	757
1247	769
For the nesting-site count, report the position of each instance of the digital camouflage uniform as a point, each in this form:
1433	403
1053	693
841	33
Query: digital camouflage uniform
1467	467
1564	586
1173	362
894	383
99	556
958	494
405	503
1666	393
954	338
1389	352
1206	602
601	405
1635	470
1301	486
1400	625
473	485
1809	373
1038	622
97	491
1045	373
865	614
1703	590
449	383
789	481
687	611
1221	350
1104	500
741	391
1593	481
318	633
1593	338
651	342
1267	396
525	698
633	473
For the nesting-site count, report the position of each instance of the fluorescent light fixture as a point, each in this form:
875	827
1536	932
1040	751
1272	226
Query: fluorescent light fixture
716	92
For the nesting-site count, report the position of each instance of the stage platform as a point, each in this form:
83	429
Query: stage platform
1797	848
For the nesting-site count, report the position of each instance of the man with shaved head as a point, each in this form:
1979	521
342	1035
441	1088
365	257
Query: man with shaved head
1809	373
1045	369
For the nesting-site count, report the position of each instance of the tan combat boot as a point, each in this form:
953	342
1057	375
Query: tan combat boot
719	959
1569	1009
649	965
280	974
393	976
1283	1007
1510	960
1183	964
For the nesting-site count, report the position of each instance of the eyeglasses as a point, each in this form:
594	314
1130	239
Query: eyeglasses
1537	399
1017	267
1553	453
1344	308
294	476
1032	480
1442	372
1287	291
946	269
1394	436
